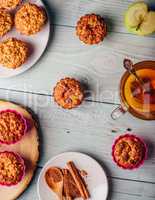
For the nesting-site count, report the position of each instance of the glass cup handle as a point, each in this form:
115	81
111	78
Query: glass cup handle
118	112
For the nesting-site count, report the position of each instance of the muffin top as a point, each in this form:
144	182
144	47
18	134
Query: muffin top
91	29
13	53
6	22
12	126
29	19
68	93
9	4
129	151
12	168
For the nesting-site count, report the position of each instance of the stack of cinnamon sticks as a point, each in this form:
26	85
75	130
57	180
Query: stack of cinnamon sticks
74	185
79	181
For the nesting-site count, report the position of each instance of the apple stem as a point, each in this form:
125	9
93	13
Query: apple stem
139	25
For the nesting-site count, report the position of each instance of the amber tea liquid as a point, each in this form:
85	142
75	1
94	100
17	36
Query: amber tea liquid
139	101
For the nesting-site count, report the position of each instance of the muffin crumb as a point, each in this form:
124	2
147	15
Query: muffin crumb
12	126
11	168
30	19
128	151
68	93
9	4
13	53
91	29
6	22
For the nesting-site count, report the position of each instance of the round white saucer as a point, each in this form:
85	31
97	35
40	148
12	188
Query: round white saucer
96	180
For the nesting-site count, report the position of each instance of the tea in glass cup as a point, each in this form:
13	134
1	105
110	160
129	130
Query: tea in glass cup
136	98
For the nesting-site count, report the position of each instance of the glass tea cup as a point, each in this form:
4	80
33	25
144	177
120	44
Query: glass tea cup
134	99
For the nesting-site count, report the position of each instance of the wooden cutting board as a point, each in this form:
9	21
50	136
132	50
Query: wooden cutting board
28	148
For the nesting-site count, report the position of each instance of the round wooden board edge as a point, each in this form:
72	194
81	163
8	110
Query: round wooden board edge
36	124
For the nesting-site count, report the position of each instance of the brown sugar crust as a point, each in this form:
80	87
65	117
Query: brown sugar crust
30	19
91	29
128	152
6	22
9	4
13	53
12	126
68	93
11	168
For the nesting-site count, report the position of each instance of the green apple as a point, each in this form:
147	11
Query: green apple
139	20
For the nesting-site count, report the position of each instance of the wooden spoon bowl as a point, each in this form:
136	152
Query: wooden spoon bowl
54	179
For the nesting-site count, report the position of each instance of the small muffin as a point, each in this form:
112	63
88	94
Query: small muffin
129	151
12	126
6	22
91	29
68	93
30	19
9	4
12	168
13	53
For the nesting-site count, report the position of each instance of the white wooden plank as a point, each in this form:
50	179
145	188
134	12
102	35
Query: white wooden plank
124	189
86	129
99	67
68	12
119	190
120	196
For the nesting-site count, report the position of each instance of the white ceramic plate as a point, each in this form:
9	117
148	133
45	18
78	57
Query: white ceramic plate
96	180
38	42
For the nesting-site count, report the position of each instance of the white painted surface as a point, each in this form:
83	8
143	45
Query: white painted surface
66	56
88	128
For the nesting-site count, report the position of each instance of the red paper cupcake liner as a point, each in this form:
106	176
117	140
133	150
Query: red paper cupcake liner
132	136
25	124
21	160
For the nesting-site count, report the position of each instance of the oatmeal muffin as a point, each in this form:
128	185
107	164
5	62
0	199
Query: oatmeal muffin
13	53
68	93
6	22
30	19
129	151
12	168
9	4
91	29
12	126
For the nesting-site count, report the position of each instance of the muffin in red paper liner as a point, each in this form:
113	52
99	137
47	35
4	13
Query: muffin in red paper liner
13	126
68	93
12	168
129	151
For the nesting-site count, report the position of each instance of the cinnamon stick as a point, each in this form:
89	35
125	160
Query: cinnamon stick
78	180
66	189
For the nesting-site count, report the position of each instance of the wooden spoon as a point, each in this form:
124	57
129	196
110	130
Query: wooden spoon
54	179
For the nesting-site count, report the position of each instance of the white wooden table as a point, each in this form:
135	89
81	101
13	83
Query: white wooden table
89	128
